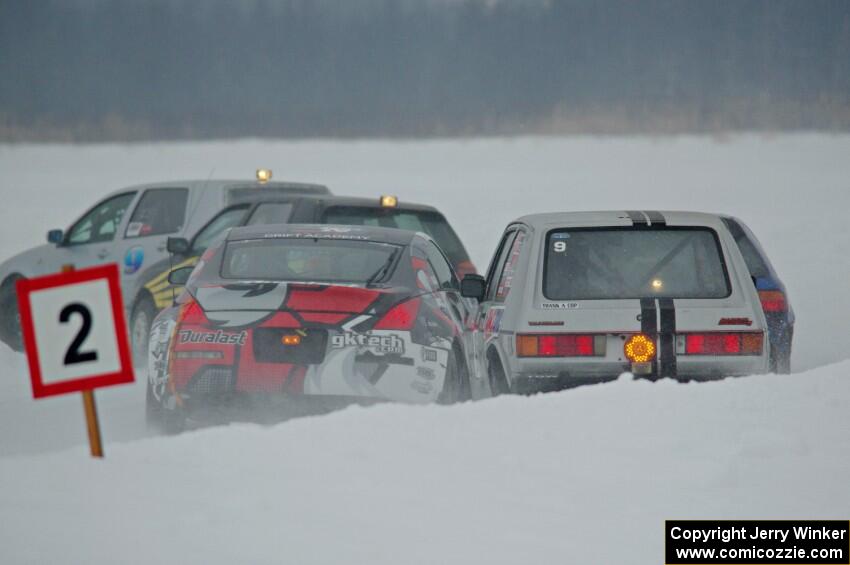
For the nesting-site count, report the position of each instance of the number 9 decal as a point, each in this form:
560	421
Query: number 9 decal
559	246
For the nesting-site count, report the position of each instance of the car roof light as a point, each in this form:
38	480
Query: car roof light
388	201
264	175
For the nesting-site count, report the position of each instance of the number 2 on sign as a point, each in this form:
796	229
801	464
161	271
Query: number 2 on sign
74	355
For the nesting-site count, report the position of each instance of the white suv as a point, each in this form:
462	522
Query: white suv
129	227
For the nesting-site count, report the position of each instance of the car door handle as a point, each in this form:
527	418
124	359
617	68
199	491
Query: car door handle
161	247
102	254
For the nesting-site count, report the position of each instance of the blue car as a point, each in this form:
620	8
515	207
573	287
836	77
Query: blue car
774	298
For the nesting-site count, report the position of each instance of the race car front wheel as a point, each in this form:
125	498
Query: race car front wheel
10	317
140	330
161	419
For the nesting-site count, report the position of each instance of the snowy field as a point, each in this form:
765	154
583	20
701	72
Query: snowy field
507	480
586	476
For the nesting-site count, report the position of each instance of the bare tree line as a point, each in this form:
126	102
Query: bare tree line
158	69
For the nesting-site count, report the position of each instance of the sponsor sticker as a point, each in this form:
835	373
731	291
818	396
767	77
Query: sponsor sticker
133	259
218	337
388	343
429	355
134	229
314	235
560	305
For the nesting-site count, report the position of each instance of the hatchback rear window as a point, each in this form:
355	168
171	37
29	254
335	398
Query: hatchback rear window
431	223
313	260
611	263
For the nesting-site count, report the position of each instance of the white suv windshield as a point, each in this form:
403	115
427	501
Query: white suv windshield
611	263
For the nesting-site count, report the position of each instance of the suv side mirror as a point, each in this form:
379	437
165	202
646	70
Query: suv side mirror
55	236
472	286
179	277
177	245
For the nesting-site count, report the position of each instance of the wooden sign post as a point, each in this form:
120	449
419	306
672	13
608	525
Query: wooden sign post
92	423
75	336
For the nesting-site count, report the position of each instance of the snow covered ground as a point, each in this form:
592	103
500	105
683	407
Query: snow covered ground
543	479
585	476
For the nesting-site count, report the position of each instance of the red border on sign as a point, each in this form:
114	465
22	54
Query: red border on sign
123	375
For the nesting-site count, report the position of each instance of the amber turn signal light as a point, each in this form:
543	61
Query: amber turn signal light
639	349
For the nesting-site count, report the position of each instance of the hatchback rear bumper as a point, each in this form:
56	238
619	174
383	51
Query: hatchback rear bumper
541	375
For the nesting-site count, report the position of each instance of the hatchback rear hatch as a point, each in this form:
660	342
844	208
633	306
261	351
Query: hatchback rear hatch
672	284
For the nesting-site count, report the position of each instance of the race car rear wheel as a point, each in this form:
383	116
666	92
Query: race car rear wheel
456	386
140	328
10	317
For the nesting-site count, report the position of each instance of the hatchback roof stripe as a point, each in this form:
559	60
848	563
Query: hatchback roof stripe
637	218
657	218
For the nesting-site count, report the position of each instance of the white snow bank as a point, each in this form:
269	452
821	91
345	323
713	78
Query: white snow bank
586	475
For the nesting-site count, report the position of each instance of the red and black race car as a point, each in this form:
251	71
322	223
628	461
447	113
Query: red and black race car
292	311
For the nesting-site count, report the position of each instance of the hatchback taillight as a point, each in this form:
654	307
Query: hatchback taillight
560	345
720	343
773	301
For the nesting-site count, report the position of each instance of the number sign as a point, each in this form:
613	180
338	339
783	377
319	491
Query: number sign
74	331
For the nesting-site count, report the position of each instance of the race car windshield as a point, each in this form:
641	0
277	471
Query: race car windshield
431	223
589	264
313	260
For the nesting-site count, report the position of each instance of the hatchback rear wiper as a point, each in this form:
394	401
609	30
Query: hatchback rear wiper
383	269
665	260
